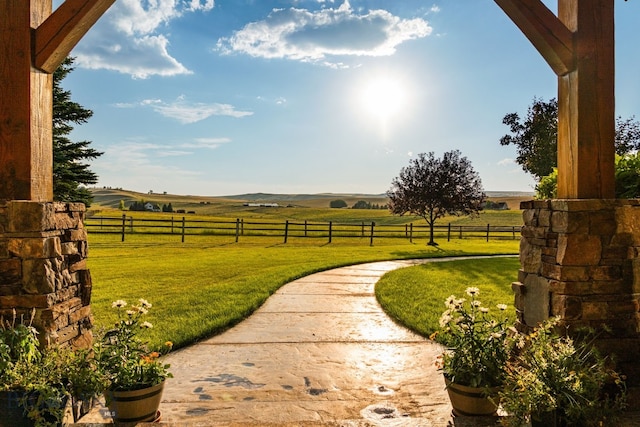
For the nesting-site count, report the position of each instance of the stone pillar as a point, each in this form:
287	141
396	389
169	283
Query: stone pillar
580	260
43	249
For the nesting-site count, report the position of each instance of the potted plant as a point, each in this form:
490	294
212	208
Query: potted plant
555	380
135	375
478	347
38	385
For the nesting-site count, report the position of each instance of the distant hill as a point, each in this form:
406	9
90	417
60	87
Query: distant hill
110	198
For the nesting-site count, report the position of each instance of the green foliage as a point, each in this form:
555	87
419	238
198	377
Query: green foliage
535	137
627	179
628	176
554	372
547	188
432	188
45	378
338	204
123	357
478	343
70	174
121	205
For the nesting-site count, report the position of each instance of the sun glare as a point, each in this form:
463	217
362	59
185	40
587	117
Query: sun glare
383	97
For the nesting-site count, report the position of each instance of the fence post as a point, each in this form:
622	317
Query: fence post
182	229
411	233
488	227
242	226
330	230
449	233
124	224
305	228
362	229
373	224
237	228
286	230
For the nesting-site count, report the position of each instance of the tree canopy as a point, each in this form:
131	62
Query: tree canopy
70	174
536	137
433	187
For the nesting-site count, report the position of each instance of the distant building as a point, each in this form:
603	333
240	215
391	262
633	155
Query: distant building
262	205
151	207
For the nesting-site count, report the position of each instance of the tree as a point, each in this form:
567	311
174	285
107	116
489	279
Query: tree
361	204
338	204
432	188
70	174
536	137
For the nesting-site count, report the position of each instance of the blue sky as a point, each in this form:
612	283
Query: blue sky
226	97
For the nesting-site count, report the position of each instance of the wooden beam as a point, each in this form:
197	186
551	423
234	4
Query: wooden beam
586	104
61	31
544	30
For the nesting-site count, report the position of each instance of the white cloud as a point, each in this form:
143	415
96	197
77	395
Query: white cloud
314	36
131	37
210	143
188	112
506	161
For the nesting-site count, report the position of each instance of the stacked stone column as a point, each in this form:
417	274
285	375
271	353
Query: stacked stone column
43	271
580	260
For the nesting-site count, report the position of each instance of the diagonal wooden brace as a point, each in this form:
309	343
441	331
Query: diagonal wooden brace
63	29
545	31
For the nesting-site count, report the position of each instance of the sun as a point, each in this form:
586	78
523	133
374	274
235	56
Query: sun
383	97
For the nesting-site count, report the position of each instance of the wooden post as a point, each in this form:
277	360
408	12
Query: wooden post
33	43
578	45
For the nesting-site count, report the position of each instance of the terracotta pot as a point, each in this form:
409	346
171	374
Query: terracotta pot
135	406
472	401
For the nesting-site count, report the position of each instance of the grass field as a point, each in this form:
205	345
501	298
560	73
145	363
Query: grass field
415	296
206	285
203	288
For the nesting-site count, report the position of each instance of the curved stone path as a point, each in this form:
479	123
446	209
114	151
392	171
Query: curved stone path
319	352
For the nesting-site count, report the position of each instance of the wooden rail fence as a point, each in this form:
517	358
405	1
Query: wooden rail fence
288	229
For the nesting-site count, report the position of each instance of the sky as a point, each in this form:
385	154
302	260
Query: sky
226	97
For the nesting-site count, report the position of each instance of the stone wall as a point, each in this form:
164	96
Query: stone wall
580	260
43	250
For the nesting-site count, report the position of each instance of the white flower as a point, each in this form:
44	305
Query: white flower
142	310
450	301
118	304
472	291
502	307
144	303
146	325
484	309
130	312
444	320
476	303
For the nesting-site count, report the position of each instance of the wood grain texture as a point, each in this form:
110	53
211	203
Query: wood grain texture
61	31
578	44
544	30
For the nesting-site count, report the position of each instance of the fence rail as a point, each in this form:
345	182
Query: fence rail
182	226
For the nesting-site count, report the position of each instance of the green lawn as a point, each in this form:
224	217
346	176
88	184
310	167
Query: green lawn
202	287
415	296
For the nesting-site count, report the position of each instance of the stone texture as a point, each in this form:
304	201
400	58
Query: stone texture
589	271
43	266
